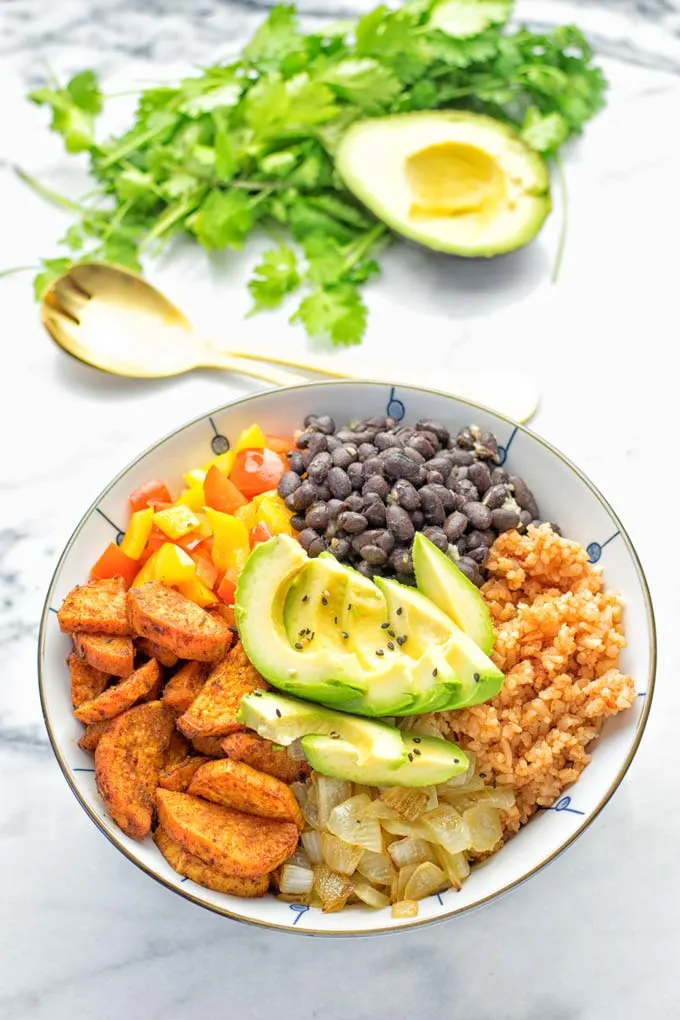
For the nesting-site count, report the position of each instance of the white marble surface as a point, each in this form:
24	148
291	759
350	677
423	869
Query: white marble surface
596	935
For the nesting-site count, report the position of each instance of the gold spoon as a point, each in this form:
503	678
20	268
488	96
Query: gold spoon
113	319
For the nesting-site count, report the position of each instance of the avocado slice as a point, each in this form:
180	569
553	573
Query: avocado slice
428	761
443	583
284	720
454	181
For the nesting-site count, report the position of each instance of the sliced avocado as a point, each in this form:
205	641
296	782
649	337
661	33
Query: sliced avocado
443	583
454	181
480	678
284	720
429	761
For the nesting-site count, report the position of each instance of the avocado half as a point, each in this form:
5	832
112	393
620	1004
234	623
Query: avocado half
455	182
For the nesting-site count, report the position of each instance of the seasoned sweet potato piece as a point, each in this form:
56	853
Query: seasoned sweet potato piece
86	682
163	615
236	785
96	608
202	874
184	686
127	761
213	712
211	747
122	695
178	749
177	777
113	655
228	840
262	755
92	735
227	614
156	651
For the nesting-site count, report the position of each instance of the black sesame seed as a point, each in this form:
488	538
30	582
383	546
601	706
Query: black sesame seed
400	611
391	632
390	645
416	740
324	600
305	598
482	775
335	619
401	640
456	761
258	694
435	671
410	756
345	635
416	751
384	626
477	678
379	651
298	645
349	607
278	712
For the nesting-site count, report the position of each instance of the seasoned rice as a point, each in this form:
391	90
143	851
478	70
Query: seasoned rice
558	639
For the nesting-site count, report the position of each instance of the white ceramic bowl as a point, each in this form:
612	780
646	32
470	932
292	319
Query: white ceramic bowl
564	495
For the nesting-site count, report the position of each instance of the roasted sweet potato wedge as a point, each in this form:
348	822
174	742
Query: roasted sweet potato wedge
211	747
213	711
202	874
122	695
113	655
178	776
156	651
92	735
185	685
178	749
164	616
237	844
263	756
236	785
87	683
96	608
127	760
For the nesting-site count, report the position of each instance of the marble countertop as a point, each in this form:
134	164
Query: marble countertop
595	935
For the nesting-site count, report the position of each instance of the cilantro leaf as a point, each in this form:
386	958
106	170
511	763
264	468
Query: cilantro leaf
274	277
275	39
544	132
390	37
464	18
364	82
74	109
224	219
51	269
336	311
273	105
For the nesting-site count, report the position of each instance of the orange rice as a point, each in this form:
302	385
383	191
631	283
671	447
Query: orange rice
558	638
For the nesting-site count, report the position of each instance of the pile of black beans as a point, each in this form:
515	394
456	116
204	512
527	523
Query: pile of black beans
362	491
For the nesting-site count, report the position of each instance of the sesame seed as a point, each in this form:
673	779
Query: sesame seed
391	632
298	645
345	635
390	645
384	626
435	671
335	620
324	600
456	761
258	694
305	598
416	751
400	611
349	606
416	740
278	713
379	651
410	756
402	639
477	678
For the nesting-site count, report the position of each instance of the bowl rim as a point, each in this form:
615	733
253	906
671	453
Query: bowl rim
416	923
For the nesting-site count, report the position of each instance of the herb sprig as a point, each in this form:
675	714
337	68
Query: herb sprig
250	144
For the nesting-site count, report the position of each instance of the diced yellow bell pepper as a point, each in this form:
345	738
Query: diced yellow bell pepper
203	530
256	500
252	438
224	462
195	477
146	573
193	497
248	514
176	521
231	544
274	513
173	566
137	533
197	592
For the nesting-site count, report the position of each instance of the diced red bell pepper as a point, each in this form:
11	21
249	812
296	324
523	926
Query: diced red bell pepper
279	444
114	563
259	534
257	471
221	493
227	587
206	571
142	496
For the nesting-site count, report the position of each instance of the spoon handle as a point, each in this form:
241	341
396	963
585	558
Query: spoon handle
256	369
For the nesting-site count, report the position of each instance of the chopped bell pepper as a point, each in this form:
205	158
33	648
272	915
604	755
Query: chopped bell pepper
155	489
279	444
227	587
197	592
247	514
193	497
257	471
252	438
146	573
137	533
173	566
221	493
114	563
176	521
259	534
195	477
224	462
231	544
273	512
206	571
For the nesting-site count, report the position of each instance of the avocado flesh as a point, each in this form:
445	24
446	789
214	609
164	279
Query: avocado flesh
443	583
453	181
283	720
428	762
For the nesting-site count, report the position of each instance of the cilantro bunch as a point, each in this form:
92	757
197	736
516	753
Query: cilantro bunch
250	144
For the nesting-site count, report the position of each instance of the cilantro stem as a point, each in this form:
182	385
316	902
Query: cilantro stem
132	143
16	269
564	202
51	196
168	218
362	244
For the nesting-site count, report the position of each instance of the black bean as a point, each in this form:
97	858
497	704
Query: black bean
486	446
479	475
298	522
465	438
315	442
405	494
399	523
310	419
503	519
319	467
339	483
421	445
376	484
455	525
288	483
373	466
355	473
303	496
437	537
445	495
375	511
340	548
366	450
432	506
523	495
489	537
442	463
434	478
335	507
317	547
439	430
374	555
474	540
418	518
368	570
461	458
324	423
525	518
378	422
398	465
467	567
323	492
499	476
387	441
420	477
391	422
464	487
332	443
376	536
347	436
344	456
461	545
317	516
296	462
495	496
478	555
401	560
413	455
351	522
354	503
478	515
308	536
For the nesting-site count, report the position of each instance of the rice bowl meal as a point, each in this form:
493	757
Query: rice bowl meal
343	667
